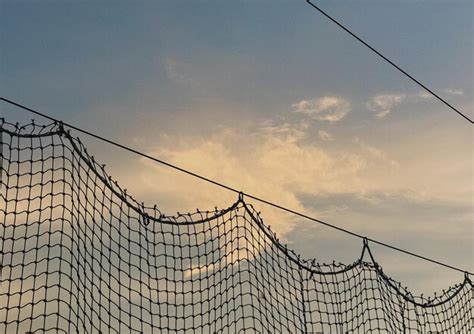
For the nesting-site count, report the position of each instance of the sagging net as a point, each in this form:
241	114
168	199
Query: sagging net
78	254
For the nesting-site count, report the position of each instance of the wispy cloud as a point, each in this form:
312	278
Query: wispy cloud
275	160
383	104
423	95
326	108
325	136
291	132
375	152
271	161
451	91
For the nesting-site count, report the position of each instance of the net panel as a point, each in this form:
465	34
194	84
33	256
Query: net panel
78	254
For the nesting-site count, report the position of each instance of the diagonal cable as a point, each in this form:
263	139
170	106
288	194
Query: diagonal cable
389	61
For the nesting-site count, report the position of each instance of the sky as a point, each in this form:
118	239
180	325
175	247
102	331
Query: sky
272	98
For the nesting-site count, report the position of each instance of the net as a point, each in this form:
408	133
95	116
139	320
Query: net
78	254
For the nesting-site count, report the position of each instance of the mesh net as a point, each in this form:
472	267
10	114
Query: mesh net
78	254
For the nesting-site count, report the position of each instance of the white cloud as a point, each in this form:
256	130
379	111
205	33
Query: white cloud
383	113
376	152
325	136
383	104
423	95
291	132
268	161
326	108
451	91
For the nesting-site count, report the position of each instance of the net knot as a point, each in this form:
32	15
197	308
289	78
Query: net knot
466	276
366	242
60	127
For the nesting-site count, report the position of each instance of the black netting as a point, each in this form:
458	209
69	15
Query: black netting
78	254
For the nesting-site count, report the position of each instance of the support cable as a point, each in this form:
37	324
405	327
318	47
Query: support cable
389	61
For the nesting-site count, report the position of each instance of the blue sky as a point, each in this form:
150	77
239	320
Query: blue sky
270	97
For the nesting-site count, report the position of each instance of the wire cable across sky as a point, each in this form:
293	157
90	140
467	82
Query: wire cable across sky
389	61
241	193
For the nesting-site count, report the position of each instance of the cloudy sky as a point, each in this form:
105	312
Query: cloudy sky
271	98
